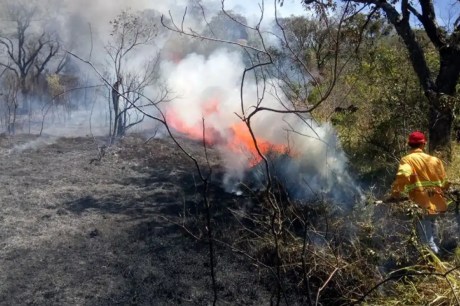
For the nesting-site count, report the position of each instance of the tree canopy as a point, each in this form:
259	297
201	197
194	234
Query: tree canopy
438	83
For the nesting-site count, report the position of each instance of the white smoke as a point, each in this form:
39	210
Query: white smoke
316	166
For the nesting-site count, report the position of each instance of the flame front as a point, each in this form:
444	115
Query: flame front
242	141
235	138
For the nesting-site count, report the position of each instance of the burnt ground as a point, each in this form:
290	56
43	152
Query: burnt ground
107	232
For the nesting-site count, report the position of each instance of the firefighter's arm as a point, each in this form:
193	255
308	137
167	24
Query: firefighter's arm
402	179
445	183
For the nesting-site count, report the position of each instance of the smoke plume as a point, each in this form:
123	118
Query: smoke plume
205	82
310	163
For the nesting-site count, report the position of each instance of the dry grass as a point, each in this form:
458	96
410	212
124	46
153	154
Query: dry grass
368	256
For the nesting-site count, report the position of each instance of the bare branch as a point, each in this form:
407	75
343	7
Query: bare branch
193	34
428	19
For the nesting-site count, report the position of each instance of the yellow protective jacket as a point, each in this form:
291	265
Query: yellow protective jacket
423	177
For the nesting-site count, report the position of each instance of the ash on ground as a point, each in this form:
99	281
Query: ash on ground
115	231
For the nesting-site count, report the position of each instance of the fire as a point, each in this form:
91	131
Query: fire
195	131
242	141
236	138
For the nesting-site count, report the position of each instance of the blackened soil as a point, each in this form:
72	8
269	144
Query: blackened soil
76	230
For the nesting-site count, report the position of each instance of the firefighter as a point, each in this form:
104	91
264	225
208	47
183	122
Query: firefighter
423	178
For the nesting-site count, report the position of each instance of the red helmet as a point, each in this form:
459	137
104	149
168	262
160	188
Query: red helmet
416	137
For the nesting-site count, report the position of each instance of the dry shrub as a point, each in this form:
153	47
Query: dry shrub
369	254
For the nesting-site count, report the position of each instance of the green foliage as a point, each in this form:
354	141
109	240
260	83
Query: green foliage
54	85
390	102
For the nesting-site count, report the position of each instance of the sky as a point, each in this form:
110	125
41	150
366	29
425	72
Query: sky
446	10
290	7
99	12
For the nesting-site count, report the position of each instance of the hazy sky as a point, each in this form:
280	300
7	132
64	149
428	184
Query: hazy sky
101	11
290	7
447	11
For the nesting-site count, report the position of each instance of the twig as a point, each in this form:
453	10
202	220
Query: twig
325	284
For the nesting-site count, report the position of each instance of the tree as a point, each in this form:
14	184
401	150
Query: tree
309	38
28	52
439	85
10	101
129	32
382	102
306	60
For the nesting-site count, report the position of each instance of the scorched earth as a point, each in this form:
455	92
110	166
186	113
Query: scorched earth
76	230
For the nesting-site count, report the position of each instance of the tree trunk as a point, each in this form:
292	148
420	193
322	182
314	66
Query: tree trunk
24	94
441	115
440	122
440	92
120	125
115	101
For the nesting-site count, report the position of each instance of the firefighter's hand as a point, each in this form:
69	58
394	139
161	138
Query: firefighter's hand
386	200
453	191
391	199
395	199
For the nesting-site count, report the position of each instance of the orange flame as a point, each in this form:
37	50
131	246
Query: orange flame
242	141
195	131
238	139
